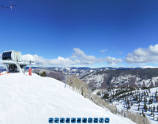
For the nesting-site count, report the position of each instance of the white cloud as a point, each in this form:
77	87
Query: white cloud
35	58
28	57
82	58
113	61
78	58
61	61
154	49
142	55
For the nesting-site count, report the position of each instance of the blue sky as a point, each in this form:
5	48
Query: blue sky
91	33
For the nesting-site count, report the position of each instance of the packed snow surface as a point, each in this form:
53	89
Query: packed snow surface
33	99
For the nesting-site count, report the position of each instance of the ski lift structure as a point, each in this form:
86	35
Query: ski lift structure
13	61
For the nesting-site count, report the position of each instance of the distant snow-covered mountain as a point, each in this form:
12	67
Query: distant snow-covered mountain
107	77
122	78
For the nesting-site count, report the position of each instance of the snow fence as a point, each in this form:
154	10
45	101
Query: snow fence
82	88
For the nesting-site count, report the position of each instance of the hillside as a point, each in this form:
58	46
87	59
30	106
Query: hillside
122	78
142	101
33	99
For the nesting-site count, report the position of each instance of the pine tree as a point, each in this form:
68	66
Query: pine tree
150	101
145	107
136	98
143	113
138	107
145	100
149	108
151	111
154	109
43	74
156	96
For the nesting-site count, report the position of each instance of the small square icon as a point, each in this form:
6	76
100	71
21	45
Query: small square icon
50	120
101	120
90	120
73	120
67	120
56	120
78	120
62	120
107	120
95	120
84	120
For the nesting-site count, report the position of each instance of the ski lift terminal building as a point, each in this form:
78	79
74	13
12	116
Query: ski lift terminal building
13	61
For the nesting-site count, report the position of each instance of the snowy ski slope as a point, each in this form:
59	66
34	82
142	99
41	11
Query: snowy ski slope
33	99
